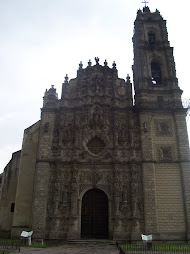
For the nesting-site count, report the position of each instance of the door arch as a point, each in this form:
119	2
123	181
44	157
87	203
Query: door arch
94	215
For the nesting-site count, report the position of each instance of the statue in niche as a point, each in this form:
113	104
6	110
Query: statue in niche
63	208
123	132
124	194
122	135
136	226
68	134
64	196
56	187
126	225
97	84
82	177
96	118
145	127
95	177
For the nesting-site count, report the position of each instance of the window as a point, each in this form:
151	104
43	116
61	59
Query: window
12	207
151	38
96	145
156	73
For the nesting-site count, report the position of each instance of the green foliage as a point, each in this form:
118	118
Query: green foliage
35	245
157	247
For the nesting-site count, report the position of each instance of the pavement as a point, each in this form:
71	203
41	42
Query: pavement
72	249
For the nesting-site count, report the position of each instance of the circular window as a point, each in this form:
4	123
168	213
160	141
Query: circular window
96	145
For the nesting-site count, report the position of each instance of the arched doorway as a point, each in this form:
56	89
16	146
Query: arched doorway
94	216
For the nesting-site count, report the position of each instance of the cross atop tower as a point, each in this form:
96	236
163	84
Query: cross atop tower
145	2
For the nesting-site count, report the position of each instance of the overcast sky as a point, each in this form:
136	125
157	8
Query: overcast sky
43	40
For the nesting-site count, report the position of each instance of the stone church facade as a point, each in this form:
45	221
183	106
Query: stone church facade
100	163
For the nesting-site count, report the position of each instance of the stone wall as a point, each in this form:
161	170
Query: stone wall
8	193
24	192
169	197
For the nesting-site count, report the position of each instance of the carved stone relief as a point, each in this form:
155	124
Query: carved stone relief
122	134
163	127
121	90
97	84
87	141
68	134
165	153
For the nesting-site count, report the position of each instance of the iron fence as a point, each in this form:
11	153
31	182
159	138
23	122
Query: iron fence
150	248
9	245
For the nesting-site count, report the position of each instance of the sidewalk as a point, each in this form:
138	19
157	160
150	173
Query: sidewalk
72	249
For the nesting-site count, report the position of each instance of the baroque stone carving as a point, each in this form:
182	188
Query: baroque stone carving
163	127
68	134
97	85
122	135
165	153
96	145
121	90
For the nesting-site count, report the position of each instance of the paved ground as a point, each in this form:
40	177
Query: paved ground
72	249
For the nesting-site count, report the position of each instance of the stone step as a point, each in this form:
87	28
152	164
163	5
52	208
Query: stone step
93	242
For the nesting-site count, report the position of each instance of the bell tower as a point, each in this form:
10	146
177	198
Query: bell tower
164	139
154	67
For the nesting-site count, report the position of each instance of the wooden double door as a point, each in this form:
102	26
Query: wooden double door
94	217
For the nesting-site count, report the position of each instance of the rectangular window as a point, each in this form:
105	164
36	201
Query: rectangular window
12	207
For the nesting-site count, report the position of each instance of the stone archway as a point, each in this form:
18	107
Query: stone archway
94	215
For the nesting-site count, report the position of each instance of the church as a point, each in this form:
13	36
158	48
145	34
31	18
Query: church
102	163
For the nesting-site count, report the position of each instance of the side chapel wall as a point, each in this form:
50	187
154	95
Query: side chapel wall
8	193
24	191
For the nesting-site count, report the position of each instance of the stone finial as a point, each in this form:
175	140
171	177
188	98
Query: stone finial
128	79
114	65
146	9
66	79
80	65
97	60
139	11
89	63
52	89
105	63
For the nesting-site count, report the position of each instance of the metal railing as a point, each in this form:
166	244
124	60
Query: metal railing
151	248
9	245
